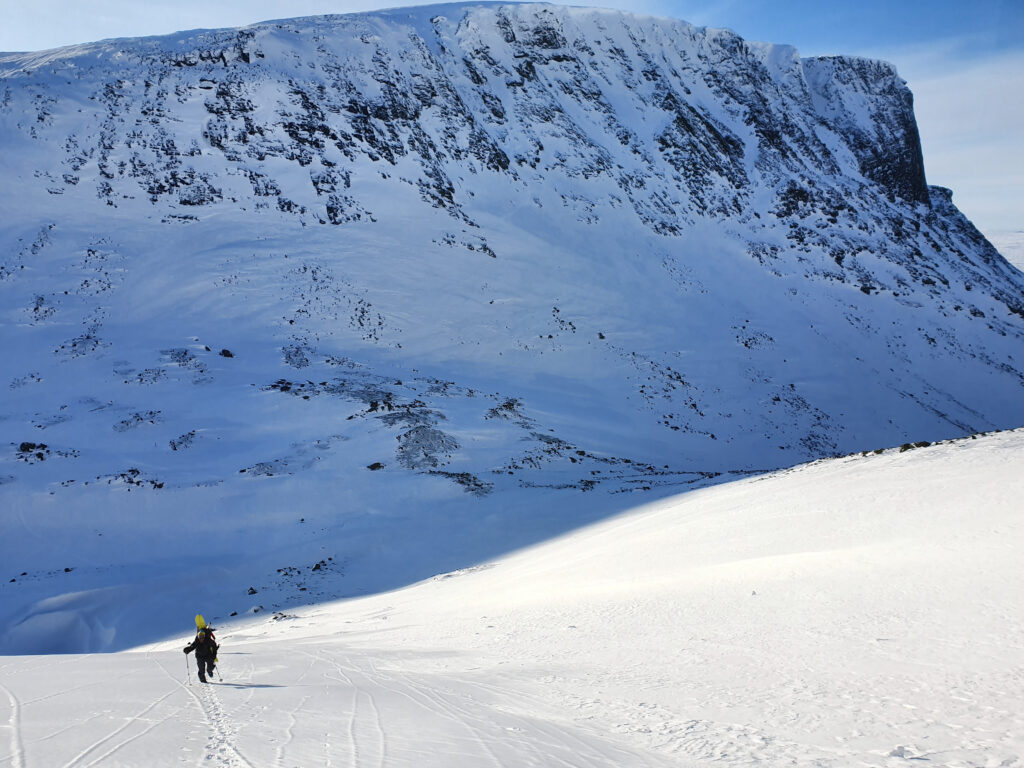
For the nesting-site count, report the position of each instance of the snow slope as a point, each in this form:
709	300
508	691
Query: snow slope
728	251
323	307
859	611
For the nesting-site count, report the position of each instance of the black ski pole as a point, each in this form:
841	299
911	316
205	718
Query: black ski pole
188	673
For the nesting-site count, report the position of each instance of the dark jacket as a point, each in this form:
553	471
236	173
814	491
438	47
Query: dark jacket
204	645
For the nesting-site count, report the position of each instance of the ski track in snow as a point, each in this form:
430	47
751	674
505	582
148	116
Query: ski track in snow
357	725
465	726
293	721
131	722
102	759
17	754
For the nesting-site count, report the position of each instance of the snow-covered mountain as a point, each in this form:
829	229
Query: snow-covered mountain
391	293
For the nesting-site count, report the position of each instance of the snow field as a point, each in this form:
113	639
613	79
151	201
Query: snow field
859	611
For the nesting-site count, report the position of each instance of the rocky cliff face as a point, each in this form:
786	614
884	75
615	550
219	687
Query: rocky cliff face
868	104
496	246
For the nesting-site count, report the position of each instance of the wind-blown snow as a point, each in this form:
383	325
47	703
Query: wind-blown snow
859	611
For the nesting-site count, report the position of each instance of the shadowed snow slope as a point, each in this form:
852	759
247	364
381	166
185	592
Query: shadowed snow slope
857	611
325	306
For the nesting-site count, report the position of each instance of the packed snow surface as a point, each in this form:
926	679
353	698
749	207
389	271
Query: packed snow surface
862	611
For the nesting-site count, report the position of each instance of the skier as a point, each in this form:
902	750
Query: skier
205	646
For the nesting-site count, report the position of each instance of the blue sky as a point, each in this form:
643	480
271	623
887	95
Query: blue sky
963	60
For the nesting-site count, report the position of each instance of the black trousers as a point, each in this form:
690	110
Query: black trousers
205	668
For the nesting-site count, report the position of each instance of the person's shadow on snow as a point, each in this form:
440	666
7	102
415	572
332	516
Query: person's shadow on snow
243	685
